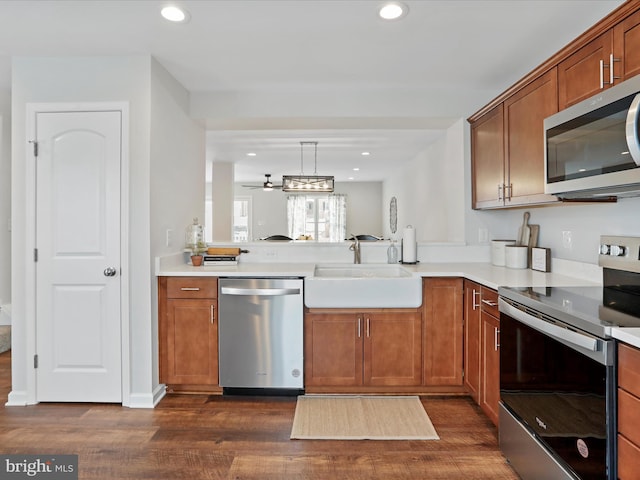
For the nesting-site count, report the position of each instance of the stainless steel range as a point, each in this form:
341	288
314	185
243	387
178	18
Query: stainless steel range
558	369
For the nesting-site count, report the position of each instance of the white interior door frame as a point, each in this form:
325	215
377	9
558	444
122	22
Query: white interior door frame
32	109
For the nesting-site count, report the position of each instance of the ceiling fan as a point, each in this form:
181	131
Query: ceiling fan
266	186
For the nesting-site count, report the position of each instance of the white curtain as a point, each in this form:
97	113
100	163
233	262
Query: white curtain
296	215
336	220
337	217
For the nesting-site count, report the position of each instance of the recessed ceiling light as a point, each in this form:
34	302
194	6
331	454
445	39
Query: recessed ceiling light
392	10
175	14
356	169
251	154
364	154
350	178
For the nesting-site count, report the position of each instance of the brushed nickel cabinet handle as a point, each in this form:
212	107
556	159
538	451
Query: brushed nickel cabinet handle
474	304
490	303
212	314
359	327
495	339
190	289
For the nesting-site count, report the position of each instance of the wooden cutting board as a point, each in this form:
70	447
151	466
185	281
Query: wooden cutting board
223	251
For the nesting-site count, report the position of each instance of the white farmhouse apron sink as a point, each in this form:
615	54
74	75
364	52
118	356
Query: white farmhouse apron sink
362	286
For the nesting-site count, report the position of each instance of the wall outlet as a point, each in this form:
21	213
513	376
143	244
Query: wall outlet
483	235
169	239
567	241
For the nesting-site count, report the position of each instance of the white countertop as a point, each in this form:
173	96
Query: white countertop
483	273
627	335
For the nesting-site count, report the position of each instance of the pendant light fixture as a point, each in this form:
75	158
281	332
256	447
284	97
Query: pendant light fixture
308	183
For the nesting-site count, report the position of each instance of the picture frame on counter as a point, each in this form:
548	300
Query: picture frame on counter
541	259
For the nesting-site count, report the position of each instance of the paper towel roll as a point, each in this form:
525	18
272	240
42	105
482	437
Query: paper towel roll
409	247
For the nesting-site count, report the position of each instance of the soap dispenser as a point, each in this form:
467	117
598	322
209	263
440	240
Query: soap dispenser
392	253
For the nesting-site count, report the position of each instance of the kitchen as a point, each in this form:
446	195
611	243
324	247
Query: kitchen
151	182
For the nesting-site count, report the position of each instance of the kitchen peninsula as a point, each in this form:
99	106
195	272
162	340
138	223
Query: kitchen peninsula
447	345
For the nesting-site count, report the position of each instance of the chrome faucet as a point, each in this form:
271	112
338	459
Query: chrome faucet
355	246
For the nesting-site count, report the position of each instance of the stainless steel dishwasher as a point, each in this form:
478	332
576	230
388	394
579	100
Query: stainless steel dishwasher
260	335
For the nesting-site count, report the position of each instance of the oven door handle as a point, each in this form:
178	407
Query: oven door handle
578	339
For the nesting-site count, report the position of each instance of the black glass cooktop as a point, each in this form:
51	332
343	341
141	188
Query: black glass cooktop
592	309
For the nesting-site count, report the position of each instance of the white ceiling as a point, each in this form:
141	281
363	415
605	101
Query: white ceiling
315	45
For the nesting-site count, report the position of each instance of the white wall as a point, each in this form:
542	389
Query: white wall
269	209
364	216
177	187
429	191
136	80
222	187
5	196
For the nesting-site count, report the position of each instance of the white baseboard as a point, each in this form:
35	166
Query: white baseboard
17	399
147	400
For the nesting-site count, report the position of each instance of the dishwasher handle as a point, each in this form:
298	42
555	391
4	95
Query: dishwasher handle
265	292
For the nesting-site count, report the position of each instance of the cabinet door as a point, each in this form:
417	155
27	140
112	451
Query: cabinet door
487	159
393	349
579	75
443	336
472	338
333	349
191	342
524	114
626	37
490	368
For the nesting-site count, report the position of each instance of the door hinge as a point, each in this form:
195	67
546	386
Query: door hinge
35	361
35	147
35	254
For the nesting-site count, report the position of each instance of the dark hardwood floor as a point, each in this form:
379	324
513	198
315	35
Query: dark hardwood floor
213	437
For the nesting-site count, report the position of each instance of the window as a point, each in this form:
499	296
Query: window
242	219
318	217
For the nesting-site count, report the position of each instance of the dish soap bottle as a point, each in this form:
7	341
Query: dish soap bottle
392	253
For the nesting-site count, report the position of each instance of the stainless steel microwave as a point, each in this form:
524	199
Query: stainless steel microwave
592	148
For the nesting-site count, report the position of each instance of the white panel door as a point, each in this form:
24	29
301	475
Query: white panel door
78	326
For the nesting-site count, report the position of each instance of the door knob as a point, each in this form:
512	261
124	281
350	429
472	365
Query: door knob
109	272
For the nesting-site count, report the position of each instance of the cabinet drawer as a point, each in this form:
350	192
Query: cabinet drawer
192	287
628	459
629	369
489	301
629	416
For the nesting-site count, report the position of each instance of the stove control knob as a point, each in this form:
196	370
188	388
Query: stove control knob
604	249
618	250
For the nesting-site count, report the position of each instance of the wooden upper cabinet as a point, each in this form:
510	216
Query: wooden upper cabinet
579	75
626	43
487	159
524	114
508	149
609	59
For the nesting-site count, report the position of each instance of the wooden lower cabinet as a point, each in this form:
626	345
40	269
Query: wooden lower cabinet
628	412
188	332
482	347
346	348
443	331
490	366
472	338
